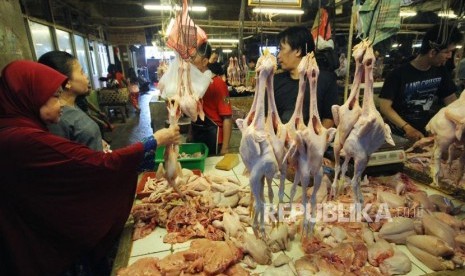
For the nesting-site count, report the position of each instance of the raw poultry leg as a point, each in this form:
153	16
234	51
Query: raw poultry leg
346	115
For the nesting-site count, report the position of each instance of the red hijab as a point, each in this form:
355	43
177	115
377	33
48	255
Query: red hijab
26	86
59	200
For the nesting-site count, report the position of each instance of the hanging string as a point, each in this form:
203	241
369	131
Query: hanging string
376	11
260	16
445	28
318	27
187	31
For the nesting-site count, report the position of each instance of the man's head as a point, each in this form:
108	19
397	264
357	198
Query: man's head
252	62
201	57
294	43
439	43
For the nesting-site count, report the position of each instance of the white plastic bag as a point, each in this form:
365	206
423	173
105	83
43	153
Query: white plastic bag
169	82
200	81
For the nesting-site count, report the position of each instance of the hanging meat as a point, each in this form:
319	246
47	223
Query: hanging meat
277	133
187	83
315	138
185	36
233	72
255	147
346	115
293	126
447	126
182	79
368	133
171	168
243	69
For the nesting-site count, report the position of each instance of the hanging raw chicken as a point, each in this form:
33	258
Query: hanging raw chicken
182	79
185	36
187	82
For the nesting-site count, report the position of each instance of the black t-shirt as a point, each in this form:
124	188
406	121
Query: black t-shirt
286	90
415	93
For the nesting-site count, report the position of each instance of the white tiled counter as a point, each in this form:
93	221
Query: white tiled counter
153	245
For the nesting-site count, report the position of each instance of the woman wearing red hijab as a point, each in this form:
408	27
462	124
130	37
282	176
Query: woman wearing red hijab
60	202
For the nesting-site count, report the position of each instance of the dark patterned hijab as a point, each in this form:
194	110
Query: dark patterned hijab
25	86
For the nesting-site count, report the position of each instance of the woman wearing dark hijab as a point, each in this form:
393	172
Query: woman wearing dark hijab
60	201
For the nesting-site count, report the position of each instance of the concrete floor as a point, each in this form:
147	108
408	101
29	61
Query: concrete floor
139	126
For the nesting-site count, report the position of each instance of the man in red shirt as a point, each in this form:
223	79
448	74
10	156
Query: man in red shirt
215	130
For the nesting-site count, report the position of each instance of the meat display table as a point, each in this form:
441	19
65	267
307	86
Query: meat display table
153	245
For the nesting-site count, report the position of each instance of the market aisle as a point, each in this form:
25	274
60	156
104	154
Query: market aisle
136	127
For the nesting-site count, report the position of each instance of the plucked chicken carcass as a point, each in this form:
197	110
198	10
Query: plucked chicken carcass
193	90
233	72
237	72
293	126
243	70
368	133
447	126
276	130
187	82
230	71
315	139
255	147
346	115
183	79
171	168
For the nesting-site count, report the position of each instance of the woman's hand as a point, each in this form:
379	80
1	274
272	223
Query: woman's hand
412	133
167	136
106	147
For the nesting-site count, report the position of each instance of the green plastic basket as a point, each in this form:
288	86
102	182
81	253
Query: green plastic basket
187	163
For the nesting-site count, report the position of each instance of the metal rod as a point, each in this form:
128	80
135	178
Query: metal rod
241	29
349	52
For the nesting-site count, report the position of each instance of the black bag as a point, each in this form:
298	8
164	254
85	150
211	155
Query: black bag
327	59
206	132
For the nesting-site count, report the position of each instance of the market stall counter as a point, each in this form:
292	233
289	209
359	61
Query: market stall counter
154	243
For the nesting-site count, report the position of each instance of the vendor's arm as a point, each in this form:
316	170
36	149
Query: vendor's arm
449	99
227	129
385	107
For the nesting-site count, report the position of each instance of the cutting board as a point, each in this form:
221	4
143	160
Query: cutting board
229	161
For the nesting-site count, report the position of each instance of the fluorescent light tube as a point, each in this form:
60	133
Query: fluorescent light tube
223	40
448	14
278	11
178	8
407	13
